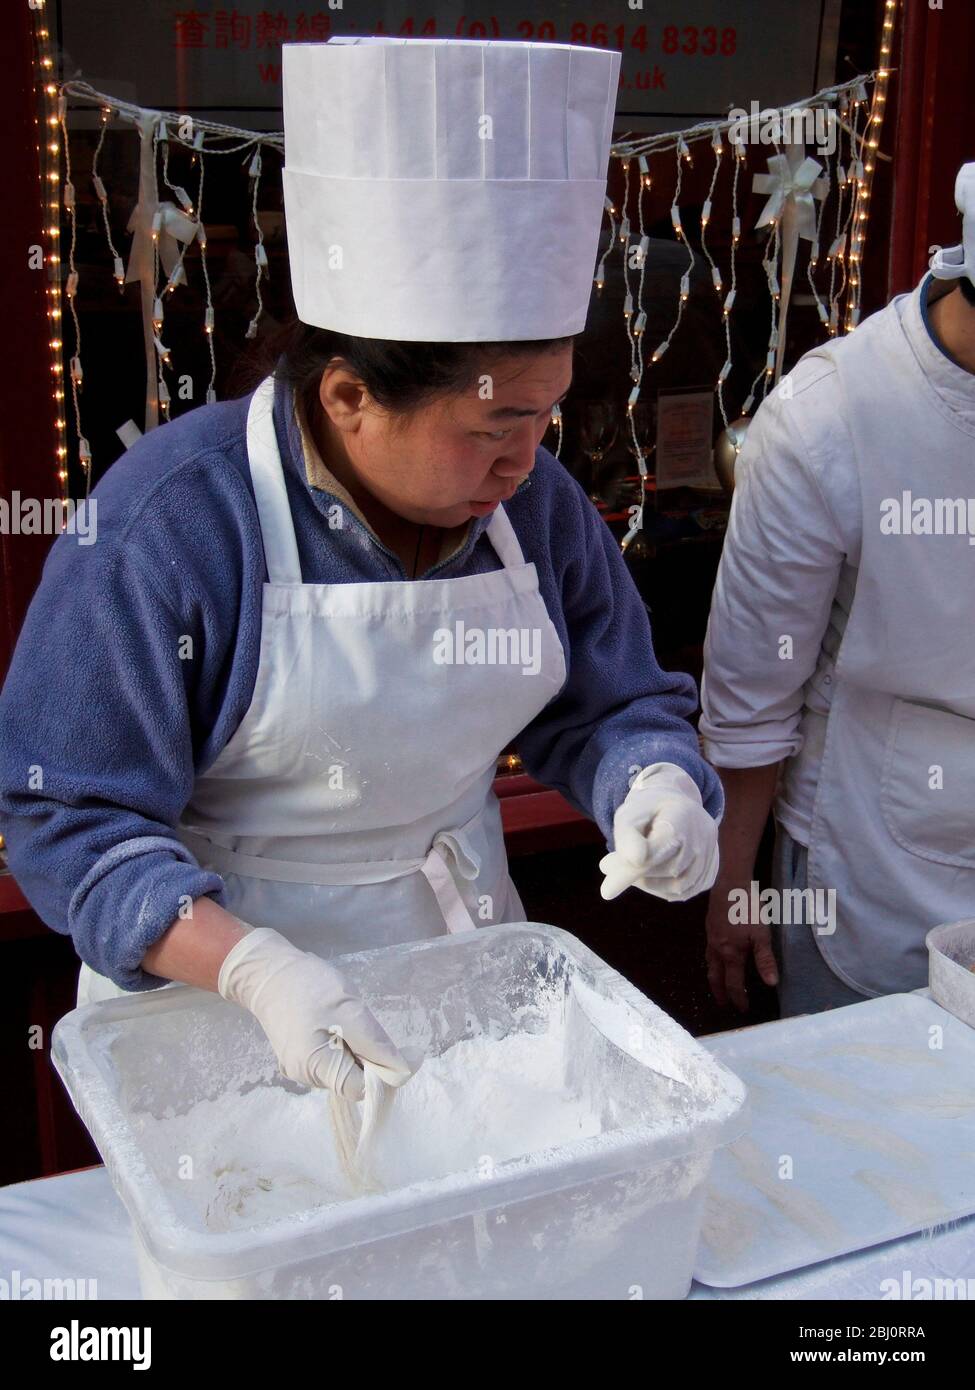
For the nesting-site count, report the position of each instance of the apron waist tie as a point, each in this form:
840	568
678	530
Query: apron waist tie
449	847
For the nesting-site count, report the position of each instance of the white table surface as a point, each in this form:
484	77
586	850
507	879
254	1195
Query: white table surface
74	1226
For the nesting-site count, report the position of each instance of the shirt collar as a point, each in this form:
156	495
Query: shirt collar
951	382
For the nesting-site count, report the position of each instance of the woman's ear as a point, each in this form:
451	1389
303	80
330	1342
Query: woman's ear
343	397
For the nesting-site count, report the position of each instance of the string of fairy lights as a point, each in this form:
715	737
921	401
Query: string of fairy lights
861	212
159	221
166	227
49	151
169	220
838	305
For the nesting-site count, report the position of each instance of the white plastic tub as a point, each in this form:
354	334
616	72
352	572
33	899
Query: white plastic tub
951	954
611	1212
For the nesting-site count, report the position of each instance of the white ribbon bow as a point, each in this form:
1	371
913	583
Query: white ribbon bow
792	183
173	227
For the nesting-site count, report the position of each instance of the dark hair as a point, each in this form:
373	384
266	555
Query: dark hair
399	376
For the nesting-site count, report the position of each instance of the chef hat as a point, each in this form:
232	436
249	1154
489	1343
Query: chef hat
954	261
445	190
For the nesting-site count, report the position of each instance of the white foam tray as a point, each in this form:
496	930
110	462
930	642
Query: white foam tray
874	1120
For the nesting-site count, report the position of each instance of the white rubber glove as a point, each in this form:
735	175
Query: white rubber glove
319	1030
666	843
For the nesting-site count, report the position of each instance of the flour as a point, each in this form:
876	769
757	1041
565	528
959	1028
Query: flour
867	1134
729	1226
944	1102
797	1206
808	1078
884	1053
272	1150
913	1204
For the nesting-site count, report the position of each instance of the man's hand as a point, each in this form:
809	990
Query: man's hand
729	947
748	794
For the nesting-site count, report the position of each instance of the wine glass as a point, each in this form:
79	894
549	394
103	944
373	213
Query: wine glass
644	417
598	427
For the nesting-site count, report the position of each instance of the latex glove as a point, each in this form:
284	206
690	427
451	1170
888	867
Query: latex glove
320	1031
666	843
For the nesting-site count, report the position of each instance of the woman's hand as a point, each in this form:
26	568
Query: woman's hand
320	1031
666	843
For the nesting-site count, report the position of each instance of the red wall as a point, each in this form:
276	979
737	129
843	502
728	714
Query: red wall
934	131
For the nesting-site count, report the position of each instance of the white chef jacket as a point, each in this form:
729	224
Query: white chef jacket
788	570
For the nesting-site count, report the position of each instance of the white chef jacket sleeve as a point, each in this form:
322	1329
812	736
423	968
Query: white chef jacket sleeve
778	575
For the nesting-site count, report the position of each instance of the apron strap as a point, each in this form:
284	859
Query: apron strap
267	475
501	534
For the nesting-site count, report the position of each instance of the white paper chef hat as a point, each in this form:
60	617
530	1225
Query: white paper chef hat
411	216
950	263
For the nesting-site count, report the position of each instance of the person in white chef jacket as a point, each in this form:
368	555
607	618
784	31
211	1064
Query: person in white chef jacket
479	253
839	672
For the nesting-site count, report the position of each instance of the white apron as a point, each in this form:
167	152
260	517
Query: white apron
353	807
893	828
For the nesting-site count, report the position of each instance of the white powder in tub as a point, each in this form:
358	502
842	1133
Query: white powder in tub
271	1151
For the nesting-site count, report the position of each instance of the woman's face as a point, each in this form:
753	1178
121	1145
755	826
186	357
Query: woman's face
455	458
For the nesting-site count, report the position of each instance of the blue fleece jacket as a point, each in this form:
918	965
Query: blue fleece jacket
103	728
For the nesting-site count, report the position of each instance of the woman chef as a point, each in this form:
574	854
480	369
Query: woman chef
256	724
